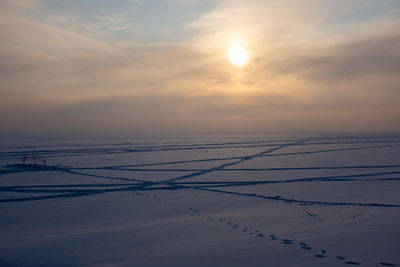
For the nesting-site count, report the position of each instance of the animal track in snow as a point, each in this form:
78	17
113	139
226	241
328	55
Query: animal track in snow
305	246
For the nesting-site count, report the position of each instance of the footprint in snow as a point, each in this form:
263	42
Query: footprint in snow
288	241
352	263
387	264
305	246
273	237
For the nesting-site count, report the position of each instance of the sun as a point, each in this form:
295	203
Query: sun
238	55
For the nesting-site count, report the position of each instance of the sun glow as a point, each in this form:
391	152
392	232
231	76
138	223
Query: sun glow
238	55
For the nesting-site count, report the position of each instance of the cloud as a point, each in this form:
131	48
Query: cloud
313	60
369	56
308	70
102	25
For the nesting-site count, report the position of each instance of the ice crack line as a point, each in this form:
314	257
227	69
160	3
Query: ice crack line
302	202
243	159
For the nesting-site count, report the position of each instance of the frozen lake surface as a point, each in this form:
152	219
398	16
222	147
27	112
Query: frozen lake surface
200	200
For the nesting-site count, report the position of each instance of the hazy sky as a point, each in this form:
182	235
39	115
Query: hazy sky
163	65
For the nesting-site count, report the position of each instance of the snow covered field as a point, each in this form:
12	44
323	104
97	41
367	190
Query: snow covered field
200	200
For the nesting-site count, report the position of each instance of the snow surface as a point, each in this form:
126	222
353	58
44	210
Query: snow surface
200	200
